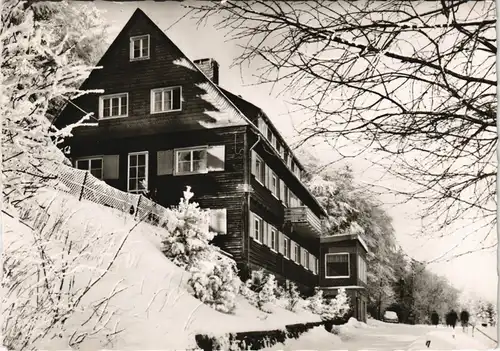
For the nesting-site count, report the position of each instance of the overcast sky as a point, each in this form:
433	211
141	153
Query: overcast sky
476	272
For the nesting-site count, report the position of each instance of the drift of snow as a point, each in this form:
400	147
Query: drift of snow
317	338
155	310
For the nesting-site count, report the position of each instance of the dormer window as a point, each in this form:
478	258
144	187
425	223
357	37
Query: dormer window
139	47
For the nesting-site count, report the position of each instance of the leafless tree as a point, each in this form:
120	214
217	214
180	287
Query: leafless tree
413	80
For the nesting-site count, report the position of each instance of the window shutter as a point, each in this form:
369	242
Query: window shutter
292	250
110	166
282	190
218	220
268	177
265	232
252	225
280	243
165	162
176	97
215	158
254	162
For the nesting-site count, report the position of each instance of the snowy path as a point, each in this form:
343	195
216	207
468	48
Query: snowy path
383	337
379	336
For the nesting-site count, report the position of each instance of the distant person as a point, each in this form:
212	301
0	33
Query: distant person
435	318
447	319
464	320
453	320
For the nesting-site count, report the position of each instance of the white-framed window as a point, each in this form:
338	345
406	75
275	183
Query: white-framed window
286	252
199	159
362	269
139	47
190	161
113	105
273	234
337	265
274	184
311	262
282	151
258	228
137	172
91	164
166	99
260	170
286	200
305	258
316	266
296	253
270	135
293	200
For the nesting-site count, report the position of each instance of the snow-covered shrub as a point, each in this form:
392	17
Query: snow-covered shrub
215	281
260	289
337	307
188	235
317	302
266	294
292	296
49	268
214	277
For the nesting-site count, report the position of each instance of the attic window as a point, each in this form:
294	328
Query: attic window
139	47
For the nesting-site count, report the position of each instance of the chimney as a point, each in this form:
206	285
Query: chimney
210	67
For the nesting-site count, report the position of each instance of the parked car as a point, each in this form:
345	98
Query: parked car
391	317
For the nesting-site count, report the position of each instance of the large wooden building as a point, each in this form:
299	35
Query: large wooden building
163	120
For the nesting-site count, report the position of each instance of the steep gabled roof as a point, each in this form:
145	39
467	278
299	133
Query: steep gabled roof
212	88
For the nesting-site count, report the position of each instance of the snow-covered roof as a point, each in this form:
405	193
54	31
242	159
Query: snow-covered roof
342	237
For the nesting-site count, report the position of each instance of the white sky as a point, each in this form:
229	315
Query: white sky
476	272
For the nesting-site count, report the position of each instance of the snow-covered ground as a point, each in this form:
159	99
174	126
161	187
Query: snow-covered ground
444	338
155	309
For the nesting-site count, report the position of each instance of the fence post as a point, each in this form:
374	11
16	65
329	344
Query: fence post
83	185
137	207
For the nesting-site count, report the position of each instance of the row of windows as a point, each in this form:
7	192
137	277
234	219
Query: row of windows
177	162
162	100
268	235
265	175
280	148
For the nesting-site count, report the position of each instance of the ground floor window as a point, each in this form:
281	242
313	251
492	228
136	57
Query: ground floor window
93	165
137	172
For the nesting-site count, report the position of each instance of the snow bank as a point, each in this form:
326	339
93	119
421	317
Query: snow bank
317	336
348	330
155	310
